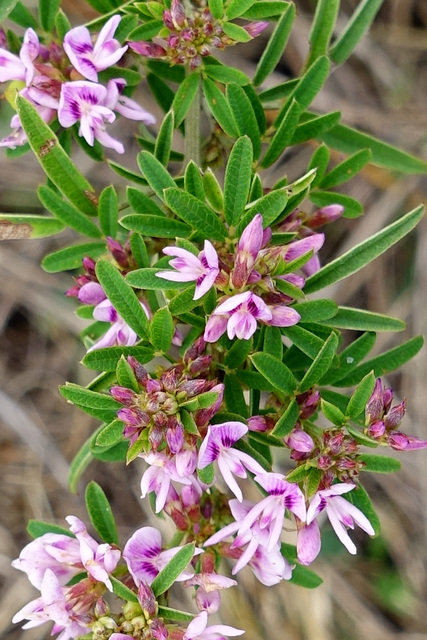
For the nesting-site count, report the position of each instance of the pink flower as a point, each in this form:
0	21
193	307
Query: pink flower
197	629
120	333
123	105
160	474
218	446
99	560
144	556
84	101
209	585
202	268
57	552
402	442
341	513
20	68
251	241
89	58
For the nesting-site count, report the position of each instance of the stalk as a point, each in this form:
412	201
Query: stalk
192	131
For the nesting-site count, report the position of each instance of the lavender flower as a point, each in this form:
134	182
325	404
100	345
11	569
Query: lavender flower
203	269
197	629
89	58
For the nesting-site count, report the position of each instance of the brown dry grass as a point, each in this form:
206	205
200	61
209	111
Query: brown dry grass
380	594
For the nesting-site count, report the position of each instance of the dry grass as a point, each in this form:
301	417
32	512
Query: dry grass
381	593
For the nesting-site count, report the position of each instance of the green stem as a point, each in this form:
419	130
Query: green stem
192	131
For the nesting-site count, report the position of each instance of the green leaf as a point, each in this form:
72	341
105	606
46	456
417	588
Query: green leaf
314	127
175	614
126	173
141	203
257	106
161	91
122	297
108	211
78	466
269	206
237	7
173	569
274	371
361	438
225	75
255	380
361	320
238	175
363	253
147	279
283	135
100	513
273	341
145	31
66	213
316	310
275	46
92	402
361	395
320	364
348	140
5	8
306	578
322	28
308	86
126	376
237	354
155	226
350	357
233	396
220	108
185	96
265	9
47	12
163	145
122	591
155	173
37	528
384	363
319	161
14	226
183	302
332	413
195	213
216	7
110	434
360	499
106	359
162	330
352	207
213	191
22	16
53	159
239	34
304	340
346	169
207	475
278	92
379	464
244	115
354	30
287	420
193	181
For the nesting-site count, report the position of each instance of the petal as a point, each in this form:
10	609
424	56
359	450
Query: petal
228	433
232	303
242	325
196	626
210	255
283	316
215	327
107	32
308	543
340	530
229	479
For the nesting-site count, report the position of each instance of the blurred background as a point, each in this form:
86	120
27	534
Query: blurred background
379	594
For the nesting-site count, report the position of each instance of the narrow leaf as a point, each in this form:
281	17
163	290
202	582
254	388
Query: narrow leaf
225	75
363	253
110	434
352	207
379	464
237	181
237	354
237	7
163	145
122	297
53	159
233	396
185	96
37	528
220	109
147	279
239	34
15	227
305	340
275	46
155	226
66	213
354	30
141	203
193	181
361	395
47	12
216	7
287	420
100	513
320	364
274	371
361	320
78	466
244	115
195	213
5	8
106	359
322	28
283	135
269	206
315	127
122	591
162	330
346	169
173	569
155	173
213	191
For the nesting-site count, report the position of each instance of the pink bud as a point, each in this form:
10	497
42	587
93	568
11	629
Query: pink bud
376	429
147	600
403	442
300	441
375	407
325	215
123	395
177	13
255	28
148	49
395	416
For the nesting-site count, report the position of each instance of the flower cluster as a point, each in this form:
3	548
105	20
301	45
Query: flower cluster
190	37
71	93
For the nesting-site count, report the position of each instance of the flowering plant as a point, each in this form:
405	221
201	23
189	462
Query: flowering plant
209	351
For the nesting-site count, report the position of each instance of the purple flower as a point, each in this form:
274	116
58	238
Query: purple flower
99	560
402	442
144	556
65	606
160	474
203	269
57	552
218	445
251	241
120	333
85	102
269	513
308	542
197	629
123	105
341	513
209	584
89	58
20	68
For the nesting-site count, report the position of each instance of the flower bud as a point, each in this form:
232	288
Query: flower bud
395	416
123	395
327	214
376	429
375	407
147	600
300	441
